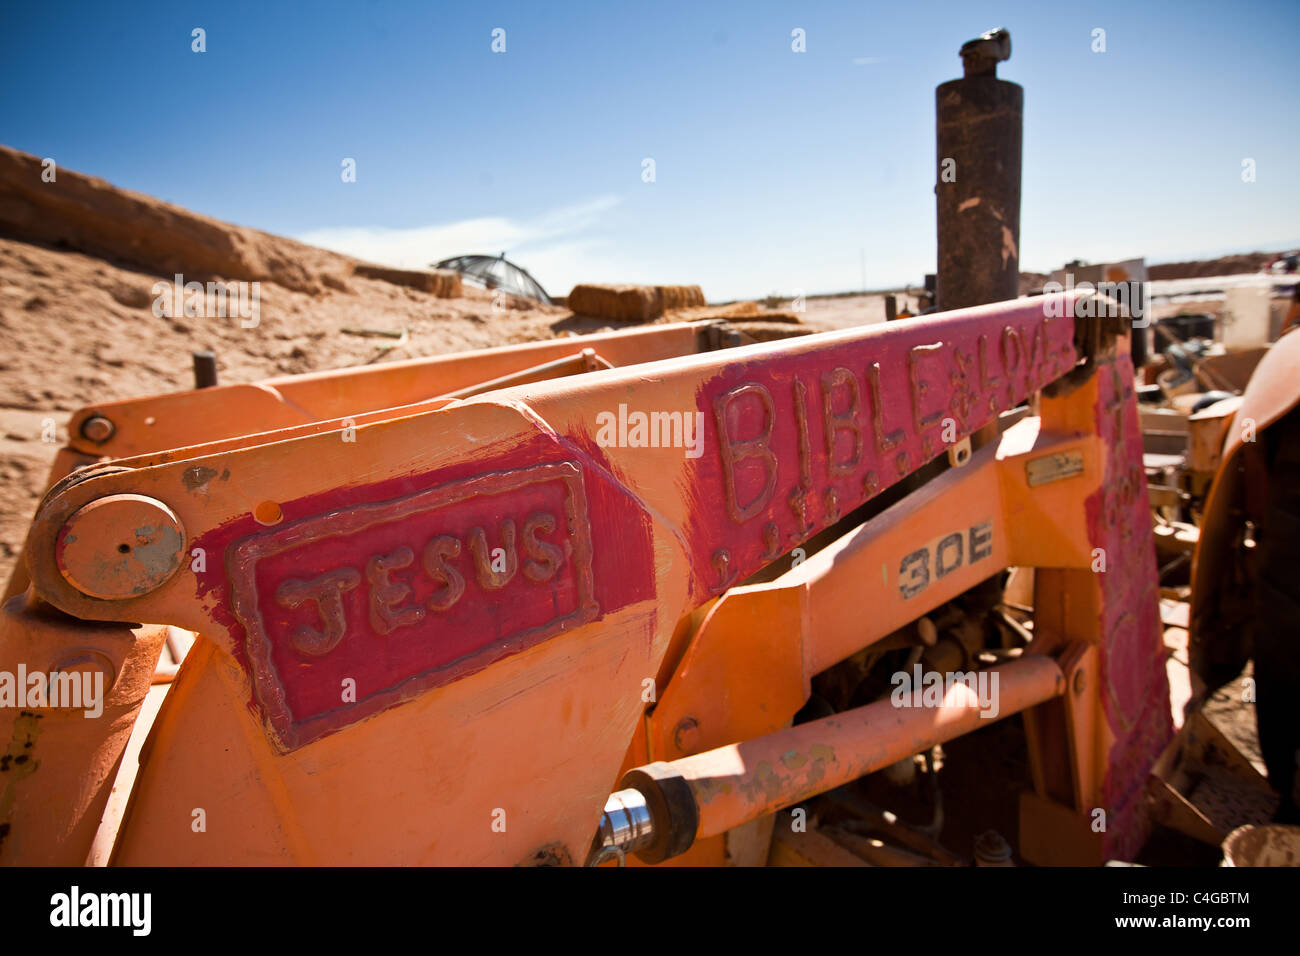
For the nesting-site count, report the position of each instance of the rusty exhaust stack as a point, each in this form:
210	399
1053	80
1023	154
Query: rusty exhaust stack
979	121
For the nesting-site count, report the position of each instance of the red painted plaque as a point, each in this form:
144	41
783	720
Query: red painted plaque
353	611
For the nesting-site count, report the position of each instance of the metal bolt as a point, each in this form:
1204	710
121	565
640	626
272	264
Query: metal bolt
85	661
959	453
992	849
687	735
97	429
120	546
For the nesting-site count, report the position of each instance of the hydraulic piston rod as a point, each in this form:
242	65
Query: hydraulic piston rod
709	793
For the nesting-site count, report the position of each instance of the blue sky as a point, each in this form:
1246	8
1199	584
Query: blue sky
775	170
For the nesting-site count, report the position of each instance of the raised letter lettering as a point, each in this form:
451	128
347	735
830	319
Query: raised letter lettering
327	591
847	422
489	579
386	594
436	553
735	450
547	557
919	386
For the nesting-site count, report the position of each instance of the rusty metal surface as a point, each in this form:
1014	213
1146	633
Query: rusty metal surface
1271	393
979	122
119	546
740	782
69	694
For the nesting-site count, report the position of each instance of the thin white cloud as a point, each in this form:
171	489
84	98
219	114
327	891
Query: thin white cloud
578	243
552	237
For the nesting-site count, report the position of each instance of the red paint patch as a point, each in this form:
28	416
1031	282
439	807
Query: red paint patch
404	595
794	441
300	694
1135	696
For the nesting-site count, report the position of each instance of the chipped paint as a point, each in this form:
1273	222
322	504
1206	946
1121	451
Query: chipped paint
196	479
158	552
16	764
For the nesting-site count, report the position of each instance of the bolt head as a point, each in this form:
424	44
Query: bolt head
687	735
120	546
97	429
86	661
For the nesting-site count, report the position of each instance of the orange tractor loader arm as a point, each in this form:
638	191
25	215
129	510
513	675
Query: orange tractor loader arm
440	625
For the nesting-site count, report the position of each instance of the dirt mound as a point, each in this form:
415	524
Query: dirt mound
1223	266
89	215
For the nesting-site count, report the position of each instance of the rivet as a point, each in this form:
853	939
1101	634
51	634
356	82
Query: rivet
97	429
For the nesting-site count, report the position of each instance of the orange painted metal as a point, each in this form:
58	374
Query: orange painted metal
1094	754
747	671
66	460
69	695
584	361
740	782
436	632
182	419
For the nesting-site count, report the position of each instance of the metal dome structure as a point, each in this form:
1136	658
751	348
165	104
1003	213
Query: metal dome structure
497	272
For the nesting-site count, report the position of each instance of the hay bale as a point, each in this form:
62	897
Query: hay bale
633	303
732	312
623	303
447	284
739	310
770	331
443	283
678	297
